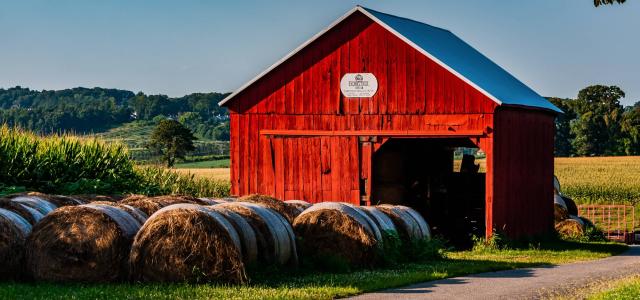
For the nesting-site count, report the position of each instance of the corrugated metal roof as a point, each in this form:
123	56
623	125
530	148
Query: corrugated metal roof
460	57
446	49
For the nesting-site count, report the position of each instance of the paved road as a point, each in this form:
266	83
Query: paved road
529	283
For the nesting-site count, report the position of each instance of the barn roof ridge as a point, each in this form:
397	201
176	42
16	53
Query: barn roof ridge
449	51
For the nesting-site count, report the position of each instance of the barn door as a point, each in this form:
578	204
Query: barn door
317	168
366	155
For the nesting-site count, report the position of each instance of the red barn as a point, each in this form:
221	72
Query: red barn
371	110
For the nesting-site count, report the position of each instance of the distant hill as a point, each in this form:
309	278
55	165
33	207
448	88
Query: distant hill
95	110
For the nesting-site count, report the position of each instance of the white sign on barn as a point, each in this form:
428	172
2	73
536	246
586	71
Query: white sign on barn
358	85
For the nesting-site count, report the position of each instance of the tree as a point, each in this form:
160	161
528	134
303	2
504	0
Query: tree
631	130
607	2
172	140
598	129
563	137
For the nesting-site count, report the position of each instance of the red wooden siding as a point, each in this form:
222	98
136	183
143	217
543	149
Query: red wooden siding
409	82
523	171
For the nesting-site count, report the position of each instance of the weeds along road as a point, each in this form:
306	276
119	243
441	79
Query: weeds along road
529	283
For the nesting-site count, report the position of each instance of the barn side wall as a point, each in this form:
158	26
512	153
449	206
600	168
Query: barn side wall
522	166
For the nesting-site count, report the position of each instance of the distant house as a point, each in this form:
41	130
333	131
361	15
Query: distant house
370	111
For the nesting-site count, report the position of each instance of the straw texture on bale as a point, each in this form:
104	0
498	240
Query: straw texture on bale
85	243
30	214
409	223
287	211
14	229
572	227
274	235
245	231
187	243
41	205
299	205
149	207
330	229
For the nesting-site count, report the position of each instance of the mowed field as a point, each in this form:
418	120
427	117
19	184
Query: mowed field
585	179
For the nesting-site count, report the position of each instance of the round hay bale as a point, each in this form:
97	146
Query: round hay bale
410	225
14	231
572	208
85	243
572	228
298	205
58	200
422	223
149	207
556	186
286	211
372	224
172	199
41	205
30	214
560	212
133	197
383	221
213	201
137	213
336	230
245	231
274	235
93	198
187	243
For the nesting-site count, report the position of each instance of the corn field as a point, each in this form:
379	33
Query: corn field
68	164
600	180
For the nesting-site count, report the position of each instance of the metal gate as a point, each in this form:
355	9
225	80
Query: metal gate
616	221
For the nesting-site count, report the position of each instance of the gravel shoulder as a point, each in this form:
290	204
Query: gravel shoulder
528	283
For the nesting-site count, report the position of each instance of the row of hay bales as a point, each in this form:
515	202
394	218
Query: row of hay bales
185	239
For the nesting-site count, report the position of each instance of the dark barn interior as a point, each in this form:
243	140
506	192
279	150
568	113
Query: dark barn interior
421	173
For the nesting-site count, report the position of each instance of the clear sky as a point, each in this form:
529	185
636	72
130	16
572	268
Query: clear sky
180	47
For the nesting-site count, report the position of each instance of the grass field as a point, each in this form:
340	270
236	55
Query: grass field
306	285
212	173
207	164
628	288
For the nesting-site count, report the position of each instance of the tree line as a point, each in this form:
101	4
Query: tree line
87	110
597	124
593	124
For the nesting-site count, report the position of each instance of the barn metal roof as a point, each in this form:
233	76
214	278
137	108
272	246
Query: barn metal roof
449	51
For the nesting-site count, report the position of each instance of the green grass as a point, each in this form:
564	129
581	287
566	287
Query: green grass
217	163
628	288
310	285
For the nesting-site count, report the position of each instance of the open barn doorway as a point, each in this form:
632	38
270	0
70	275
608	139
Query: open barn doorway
441	178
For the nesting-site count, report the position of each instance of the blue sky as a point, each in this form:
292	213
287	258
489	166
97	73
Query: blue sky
179	47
